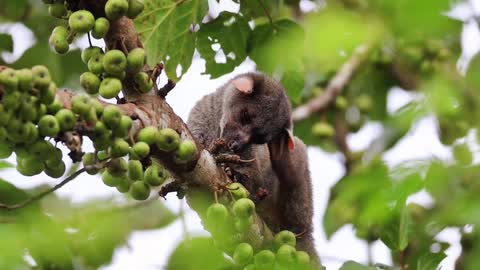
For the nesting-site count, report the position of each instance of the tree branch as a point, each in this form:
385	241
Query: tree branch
335	86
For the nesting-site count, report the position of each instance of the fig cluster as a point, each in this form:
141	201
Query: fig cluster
80	22
107	70
230	222
30	116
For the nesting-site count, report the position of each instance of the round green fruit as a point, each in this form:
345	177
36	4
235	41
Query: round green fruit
124	127
112	116
90	82
81	104
114	61
95	64
167	140
284	237
243	224
243	254
462	154
90	52
143	82
47	96
9	79
56	171
155	175
57	10
141	149
25	79
111	180
48	126
135	7
217	212
244	208
110	87
41	149
264	259
302	258
59	44
364	103
136	60
124	186
323	129
186	151
41	77
119	148
66	119
54	107
90	159
118	167
5	150
135	170
114	9
81	21
100	28
286	255
147	135
238	190
30	166
250	267
139	190
11	101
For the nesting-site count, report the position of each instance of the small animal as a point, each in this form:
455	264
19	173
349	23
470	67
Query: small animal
252	114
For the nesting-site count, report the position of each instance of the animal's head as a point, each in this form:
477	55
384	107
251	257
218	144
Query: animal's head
256	110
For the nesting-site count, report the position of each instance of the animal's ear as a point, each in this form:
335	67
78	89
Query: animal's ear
244	84
290	140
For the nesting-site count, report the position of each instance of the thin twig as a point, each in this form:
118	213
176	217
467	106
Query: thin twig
266	12
335	86
42	194
89	40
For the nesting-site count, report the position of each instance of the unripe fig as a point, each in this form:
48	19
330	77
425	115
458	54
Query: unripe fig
123	128
119	148
155	175
110	180
3	135
47	96
264	259
118	167
4	115
97	105
143	82
9	79
124	186
55	106
41	148
25	79
323	129
81	104
141	149
147	135
90	159
90	52
56	171
41	77
121	76
30	166
284	237
81	21
167	139
32	133
66	119
27	112
17	131
238	190
95	64
302	259
114	9
48	126
110	87
112	116
11	101
462	154
243	224
100	28
5	150
135	170
250	267
286	255
90	82
243	254
57	10
102	155
114	61
217	212
55	158
364	103
139	190
244	208
341	103
186	151
60	31
135	7
136	60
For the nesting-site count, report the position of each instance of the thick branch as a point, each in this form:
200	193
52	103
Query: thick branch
336	85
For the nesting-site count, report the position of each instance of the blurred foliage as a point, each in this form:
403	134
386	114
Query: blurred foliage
413	46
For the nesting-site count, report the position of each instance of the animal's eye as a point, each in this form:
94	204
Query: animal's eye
245	117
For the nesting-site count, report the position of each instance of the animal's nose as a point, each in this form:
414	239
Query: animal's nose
233	145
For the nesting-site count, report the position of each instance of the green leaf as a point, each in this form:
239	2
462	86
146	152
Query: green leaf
294	82
5	165
430	261
10	194
164	29
395	233
13	10
231	32
351	265
6	43
259	8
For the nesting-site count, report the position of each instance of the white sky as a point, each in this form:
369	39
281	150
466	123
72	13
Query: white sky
149	249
